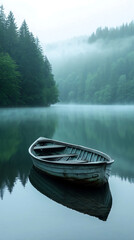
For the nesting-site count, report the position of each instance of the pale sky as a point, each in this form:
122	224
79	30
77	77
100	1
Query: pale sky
56	20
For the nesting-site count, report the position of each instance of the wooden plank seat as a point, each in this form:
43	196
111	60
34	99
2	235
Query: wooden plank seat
49	147
52	157
75	161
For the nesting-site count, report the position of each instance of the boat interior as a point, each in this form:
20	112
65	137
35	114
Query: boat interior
56	152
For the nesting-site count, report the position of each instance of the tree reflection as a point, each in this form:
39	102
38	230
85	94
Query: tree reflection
18	129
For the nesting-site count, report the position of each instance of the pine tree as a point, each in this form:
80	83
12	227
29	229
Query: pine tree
20	49
2	29
11	36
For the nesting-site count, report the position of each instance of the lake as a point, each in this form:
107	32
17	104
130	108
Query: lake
34	207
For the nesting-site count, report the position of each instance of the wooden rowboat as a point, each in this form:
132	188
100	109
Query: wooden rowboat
71	162
95	202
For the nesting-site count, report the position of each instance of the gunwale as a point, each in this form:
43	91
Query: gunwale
70	163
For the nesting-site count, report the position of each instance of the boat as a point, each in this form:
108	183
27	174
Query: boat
96	202
71	162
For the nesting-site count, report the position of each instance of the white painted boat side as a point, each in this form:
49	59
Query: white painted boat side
75	173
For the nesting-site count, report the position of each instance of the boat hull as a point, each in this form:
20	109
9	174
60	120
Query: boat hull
76	169
91	174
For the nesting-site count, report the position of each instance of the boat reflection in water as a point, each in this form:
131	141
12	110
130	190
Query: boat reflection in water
94	202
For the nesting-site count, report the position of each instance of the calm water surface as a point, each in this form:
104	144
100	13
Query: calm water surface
35	207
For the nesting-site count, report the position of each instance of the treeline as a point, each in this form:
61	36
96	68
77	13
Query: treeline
104	72
26	77
126	30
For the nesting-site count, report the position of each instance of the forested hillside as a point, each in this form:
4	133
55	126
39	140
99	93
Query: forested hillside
26	77
98	69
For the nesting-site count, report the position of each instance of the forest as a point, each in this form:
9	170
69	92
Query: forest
26	77
98	69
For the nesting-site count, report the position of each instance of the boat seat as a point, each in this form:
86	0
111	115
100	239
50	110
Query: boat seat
49	147
52	157
76	161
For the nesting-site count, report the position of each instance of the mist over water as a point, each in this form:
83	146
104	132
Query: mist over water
106	128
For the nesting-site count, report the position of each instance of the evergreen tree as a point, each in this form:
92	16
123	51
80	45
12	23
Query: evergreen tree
2	29
9	81
11	36
36	86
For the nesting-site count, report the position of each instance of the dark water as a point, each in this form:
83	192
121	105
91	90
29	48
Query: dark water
41	208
